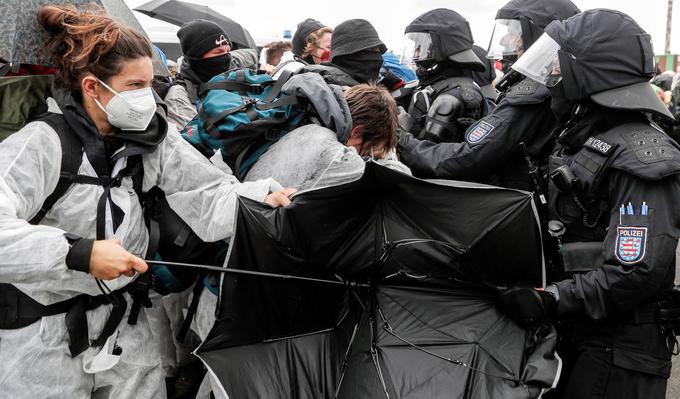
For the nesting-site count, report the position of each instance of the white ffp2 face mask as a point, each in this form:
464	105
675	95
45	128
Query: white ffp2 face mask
130	110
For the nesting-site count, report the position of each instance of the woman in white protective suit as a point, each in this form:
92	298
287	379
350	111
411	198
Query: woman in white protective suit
72	230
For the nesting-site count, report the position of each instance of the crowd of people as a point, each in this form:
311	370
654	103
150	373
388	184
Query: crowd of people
570	116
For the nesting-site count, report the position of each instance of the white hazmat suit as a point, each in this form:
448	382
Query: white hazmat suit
36	361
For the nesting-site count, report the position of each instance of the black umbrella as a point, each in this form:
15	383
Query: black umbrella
22	40
179	12
416	316
172	50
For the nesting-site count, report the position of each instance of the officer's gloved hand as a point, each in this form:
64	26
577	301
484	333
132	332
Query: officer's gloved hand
528	306
404	119
403	139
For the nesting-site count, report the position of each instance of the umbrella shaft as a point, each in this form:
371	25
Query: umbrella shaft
254	273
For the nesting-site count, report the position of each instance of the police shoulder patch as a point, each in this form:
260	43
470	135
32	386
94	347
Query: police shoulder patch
479	132
631	244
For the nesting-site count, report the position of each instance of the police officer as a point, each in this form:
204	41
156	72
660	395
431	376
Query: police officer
447	100
615	180
492	150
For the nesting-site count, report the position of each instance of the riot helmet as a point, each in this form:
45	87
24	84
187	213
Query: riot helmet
521	22
437	36
584	54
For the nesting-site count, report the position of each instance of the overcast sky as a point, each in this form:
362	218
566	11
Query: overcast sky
267	19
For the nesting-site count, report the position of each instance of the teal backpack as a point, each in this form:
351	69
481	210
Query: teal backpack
242	114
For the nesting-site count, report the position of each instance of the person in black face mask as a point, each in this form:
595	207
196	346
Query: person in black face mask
357	50
206	48
364	65
356	55
560	105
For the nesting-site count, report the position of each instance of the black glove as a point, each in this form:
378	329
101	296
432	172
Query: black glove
404	120
403	139
528	306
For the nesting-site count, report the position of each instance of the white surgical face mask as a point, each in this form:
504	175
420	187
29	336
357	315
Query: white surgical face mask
130	110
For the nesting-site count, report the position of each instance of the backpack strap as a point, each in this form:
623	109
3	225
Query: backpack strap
276	90
140	291
193	307
231	85
71	158
288	100
72	154
209	124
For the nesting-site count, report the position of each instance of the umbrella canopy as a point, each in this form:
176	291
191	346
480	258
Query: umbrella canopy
22	39
179	12
172	50
426	325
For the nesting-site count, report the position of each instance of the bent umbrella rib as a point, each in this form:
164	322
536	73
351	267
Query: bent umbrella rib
259	274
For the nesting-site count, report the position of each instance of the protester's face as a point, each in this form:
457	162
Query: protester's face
276	59
323	46
356	140
217	51
135	74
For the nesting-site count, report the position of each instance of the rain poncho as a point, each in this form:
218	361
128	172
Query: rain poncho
29	169
312	157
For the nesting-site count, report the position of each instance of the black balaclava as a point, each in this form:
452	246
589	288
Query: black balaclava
428	74
560	105
206	68
353	50
197	38
364	66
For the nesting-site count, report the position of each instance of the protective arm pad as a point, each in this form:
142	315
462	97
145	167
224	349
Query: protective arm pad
441	123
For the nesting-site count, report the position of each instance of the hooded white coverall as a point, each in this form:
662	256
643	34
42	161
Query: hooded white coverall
36	362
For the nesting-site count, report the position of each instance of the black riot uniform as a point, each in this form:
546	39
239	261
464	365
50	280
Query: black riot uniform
447	100
496	148
614	185
491	151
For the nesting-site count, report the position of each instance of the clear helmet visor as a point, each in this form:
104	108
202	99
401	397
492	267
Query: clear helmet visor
417	47
506	39
541	62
